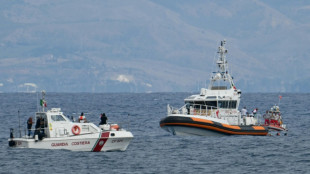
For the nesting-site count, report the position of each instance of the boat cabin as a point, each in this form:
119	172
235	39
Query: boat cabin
215	99
54	123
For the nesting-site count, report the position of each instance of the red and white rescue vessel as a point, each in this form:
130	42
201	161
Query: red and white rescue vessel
59	132
273	120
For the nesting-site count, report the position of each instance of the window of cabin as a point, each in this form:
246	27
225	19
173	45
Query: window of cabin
202	104
57	118
228	104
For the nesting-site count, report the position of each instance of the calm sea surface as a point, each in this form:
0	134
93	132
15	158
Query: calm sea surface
153	150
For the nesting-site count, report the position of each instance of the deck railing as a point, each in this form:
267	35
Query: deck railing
196	109
205	110
23	132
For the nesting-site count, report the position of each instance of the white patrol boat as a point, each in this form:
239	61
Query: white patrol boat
56	131
215	110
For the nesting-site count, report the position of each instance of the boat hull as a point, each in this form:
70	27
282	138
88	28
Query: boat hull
276	129
186	125
105	141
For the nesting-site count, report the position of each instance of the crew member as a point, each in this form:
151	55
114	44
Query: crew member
244	111
38	126
82	118
255	111
29	125
103	119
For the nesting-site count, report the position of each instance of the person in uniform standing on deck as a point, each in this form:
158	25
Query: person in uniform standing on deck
244	111
29	125
38	126
255	111
103	119
82	118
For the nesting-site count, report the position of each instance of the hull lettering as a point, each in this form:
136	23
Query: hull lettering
59	144
80	143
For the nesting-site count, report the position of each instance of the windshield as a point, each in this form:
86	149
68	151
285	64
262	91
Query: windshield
229	104
57	118
203	104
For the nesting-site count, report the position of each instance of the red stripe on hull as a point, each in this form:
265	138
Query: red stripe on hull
102	140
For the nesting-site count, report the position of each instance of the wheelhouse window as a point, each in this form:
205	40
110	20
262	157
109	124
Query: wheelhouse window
58	118
228	104
202	104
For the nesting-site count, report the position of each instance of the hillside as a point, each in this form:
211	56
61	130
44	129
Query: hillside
152	46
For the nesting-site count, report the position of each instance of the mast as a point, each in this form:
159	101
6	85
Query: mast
222	63
42	101
222	73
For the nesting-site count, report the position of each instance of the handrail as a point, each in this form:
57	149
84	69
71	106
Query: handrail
23	132
212	112
208	111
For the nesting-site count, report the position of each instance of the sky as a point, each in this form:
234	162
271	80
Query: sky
152	45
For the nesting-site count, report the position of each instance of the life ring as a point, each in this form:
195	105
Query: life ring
76	130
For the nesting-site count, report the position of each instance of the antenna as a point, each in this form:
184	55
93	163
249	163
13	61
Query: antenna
128	125
20	133
280	97
37	101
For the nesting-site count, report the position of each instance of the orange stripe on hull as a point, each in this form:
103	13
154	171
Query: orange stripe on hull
202	120
258	127
232	127
216	129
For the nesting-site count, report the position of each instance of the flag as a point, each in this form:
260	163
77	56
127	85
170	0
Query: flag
43	103
280	97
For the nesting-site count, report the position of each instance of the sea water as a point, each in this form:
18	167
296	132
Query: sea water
154	150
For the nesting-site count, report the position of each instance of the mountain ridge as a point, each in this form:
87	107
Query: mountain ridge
151	46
